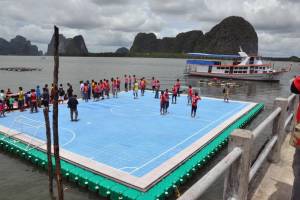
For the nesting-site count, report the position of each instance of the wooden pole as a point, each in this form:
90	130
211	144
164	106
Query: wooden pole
55	116
237	179
48	134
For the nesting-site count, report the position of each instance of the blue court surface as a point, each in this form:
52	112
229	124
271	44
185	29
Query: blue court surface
129	134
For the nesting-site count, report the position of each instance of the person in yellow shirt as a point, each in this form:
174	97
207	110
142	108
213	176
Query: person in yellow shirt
135	89
21	98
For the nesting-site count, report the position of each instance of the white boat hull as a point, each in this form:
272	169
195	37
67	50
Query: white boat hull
252	77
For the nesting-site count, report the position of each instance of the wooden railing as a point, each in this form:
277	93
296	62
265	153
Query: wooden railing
237	164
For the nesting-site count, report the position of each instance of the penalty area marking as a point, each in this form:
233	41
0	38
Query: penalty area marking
42	124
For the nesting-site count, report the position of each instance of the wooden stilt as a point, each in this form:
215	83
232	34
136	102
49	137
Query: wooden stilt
48	136
55	116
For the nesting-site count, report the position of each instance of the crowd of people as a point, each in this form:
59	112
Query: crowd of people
33	98
100	90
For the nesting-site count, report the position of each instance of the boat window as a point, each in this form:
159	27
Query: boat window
209	69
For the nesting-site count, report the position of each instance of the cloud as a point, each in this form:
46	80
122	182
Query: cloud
108	24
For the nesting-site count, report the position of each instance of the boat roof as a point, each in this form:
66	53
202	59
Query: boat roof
215	55
201	62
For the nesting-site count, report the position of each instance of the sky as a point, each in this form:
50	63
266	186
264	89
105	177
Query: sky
109	24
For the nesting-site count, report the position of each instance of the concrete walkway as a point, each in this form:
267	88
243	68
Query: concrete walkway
278	180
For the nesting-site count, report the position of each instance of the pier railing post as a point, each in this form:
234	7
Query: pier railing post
237	178
278	128
294	110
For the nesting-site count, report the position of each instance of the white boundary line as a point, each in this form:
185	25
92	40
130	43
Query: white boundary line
183	141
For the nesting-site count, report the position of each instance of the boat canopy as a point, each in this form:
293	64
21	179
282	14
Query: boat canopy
214	55
202	62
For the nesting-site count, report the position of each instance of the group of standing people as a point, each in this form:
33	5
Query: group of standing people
33	99
36	98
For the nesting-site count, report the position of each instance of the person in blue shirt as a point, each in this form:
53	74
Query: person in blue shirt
38	95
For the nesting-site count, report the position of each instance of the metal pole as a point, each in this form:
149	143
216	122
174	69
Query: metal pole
55	116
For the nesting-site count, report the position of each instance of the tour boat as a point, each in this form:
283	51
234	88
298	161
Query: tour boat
242	67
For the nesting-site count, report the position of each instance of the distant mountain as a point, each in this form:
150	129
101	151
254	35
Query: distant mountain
122	51
69	46
226	37
18	46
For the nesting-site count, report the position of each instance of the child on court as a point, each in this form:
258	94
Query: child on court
157	87
96	91
33	101
178	84
195	100
166	94
190	95
129	81
61	94
162	103
118	82
86	92
2	108
114	88
102	89
153	83
226	93
135	89
126	83
143	86
21	98
174	94
107	88
45	98
11	102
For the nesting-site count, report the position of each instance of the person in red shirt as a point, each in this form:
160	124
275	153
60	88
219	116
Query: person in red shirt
153	83
33	101
118	82
174	94
143	86
195	100
103	87
178	84
86	92
97	91
162	103
114	87
166	94
190	94
107	88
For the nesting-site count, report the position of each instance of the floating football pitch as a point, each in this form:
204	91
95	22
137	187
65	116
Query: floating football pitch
127	142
